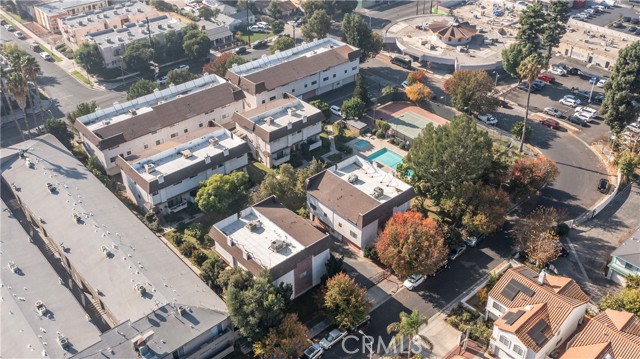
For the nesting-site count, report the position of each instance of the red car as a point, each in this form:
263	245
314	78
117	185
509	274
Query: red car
551	123
546	78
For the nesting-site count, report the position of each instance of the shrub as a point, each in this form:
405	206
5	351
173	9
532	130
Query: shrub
197	231
173	236
199	257
380	134
187	249
371	253
180	227
562	229
178	241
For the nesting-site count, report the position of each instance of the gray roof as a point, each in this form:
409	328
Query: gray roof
629	251
56	7
138	255
22	327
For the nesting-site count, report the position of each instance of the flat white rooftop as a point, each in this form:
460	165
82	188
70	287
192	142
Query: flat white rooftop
25	333
266	61
109	13
364	176
175	156
257	242
279	117
134	31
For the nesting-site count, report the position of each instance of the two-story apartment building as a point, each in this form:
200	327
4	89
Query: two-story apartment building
268	236
74	28
304	71
113	42
137	125
625	260
49	14
610	334
354	199
165	178
277	128
534	313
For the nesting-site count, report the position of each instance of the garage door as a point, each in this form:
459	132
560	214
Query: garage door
618	278
503	355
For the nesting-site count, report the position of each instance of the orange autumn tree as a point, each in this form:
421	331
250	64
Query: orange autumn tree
287	340
411	244
418	92
417	76
528	174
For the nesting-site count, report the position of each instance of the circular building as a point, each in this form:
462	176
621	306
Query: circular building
453	33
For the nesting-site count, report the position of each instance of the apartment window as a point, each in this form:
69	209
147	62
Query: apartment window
200	124
175	134
128	153
225	115
146	146
263	101
499	307
303	274
313	206
314	82
272	98
324	214
340	225
305	85
628	266
354	68
505	341
186	130
157	142
518	350
112	159
334	76
353	234
154	193
345	71
326	78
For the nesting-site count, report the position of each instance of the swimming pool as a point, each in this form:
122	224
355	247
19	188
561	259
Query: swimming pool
386	157
361	143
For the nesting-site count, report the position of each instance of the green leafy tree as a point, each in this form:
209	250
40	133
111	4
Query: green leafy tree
256	309
388	90
18	87
317	26
481	209
59	129
518	129
344	6
531	20
208	13
623	86
177	77
162	5
334	265
211	269
281	44
235	277
627	300
471	90
628	162
512	56
89	57
555	26
288	340
345	301
173	49
357	33
274	9
196	44
323	107
141	88
353	108
223	192
445	156
311	6
360	91
529	70
277	27
222	63
138	55
408	326
83	108
187	249
411	244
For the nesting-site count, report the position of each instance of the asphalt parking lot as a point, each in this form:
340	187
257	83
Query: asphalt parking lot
608	16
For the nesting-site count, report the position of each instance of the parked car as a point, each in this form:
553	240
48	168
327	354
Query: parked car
45	55
405	84
444	266
602	82
594	80
313	352
617	25
577	120
162	80
632	28
413	281
9	27
574	71
553	112
19	35
336	110
259	44
262	24
603	186
240	50
474	239
255	28
558	71
457	252
332	338
35	47
551	123
362	324
591	111
546	78
488	119
537	84
584	116
183	67
568	101
581	93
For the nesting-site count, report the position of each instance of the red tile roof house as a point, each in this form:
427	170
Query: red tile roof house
535	313
269	236
354	199
611	334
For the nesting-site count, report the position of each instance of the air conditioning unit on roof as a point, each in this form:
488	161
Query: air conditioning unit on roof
378	192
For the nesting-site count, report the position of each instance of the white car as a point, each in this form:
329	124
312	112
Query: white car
584	116
571	102
558	71
183	67
488	119
336	110
262	24
413	281
45	55
313	352
589	110
162	80
332	338
457	252
19	35
405	84
256	28
601	83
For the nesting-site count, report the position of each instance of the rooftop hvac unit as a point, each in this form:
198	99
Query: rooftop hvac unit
120	39
278	245
106	122
149	167
106	251
133	112
291	111
253	225
140	289
62	341
181	310
269	120
13	267
378	192
353	178
213	141
186	153
40	307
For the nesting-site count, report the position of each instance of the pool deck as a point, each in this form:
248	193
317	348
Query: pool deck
374	145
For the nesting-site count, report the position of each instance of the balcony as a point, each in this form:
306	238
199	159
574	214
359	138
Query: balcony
314	145
178	207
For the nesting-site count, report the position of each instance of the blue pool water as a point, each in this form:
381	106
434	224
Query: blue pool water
386	157
361	143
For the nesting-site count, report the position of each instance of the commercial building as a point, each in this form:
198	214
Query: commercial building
625	260
354	199
49	14
535	313
279	128
137	125
304	71
165	178
269	236
74	28
35	305
113	42
119	270
610	334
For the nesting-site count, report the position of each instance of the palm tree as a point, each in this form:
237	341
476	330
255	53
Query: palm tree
528	70
17	87
31	68
409	325
3	77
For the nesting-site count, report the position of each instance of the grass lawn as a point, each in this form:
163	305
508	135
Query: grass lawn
16	17
255	36
348	136
81	77
336	157
257	171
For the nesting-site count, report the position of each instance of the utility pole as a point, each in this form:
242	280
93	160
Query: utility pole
149	31
417	7
249	32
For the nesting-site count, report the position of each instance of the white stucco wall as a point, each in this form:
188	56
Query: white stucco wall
317	263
